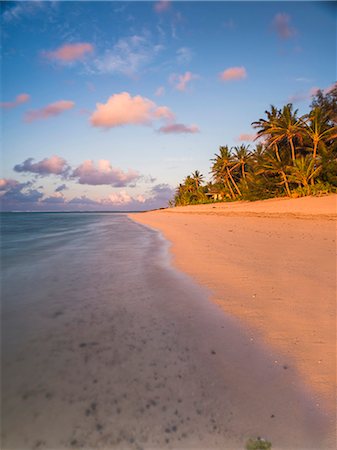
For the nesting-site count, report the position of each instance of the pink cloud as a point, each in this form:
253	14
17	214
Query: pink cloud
163	112
281	24
181	82
122	109
19	99
162	6
233	73
54	109
54	165
306	95
302	96
175	128
104	173
246	137
7	183
328	89
70	52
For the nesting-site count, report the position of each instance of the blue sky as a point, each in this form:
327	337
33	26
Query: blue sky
109	105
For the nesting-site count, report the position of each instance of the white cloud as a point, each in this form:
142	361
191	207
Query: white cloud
127	56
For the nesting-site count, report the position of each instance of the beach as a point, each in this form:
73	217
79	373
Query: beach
105	345
272	265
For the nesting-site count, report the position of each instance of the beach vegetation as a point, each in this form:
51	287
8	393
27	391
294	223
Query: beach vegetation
258	444
294	156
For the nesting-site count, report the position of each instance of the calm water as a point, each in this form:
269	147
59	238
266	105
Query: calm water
53	259
104	345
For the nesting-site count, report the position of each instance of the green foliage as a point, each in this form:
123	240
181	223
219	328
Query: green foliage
327	102
258	444
298	157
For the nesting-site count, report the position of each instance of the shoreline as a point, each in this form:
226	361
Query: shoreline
256	258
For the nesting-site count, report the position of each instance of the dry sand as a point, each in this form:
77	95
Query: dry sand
271	264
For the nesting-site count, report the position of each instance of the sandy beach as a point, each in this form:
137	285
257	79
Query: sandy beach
271	264
107	346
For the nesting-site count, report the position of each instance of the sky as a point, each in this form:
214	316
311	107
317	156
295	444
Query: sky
109	105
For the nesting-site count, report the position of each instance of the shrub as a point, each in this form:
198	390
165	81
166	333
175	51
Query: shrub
258	444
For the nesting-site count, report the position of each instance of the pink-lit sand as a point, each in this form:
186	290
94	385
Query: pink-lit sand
272	264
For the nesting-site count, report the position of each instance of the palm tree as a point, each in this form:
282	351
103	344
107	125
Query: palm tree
267	127
242	156
304	171
287	128
222	167
258	154
316	127
282	125
189	184
198	178
272	165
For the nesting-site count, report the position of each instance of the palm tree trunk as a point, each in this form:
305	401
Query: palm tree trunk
292	149
315	150
243	172
284	176
314	155
230	188
233	181
277	153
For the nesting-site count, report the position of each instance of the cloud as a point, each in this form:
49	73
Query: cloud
281	25
233	73
61	188
104	173
178	128
118	198
160	91
22	196
7	183
122	109
14	11
51	110
70	52
303	96
17	195
163	112
55	165
303	80
328	89
19	99
126	57
306	95
184	55
162	192
162	6
246	137
57	198
86	173
82	201
180	82
157	197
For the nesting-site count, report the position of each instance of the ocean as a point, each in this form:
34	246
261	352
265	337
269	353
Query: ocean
106	345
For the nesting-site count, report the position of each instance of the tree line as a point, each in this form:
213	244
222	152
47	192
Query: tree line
295	156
